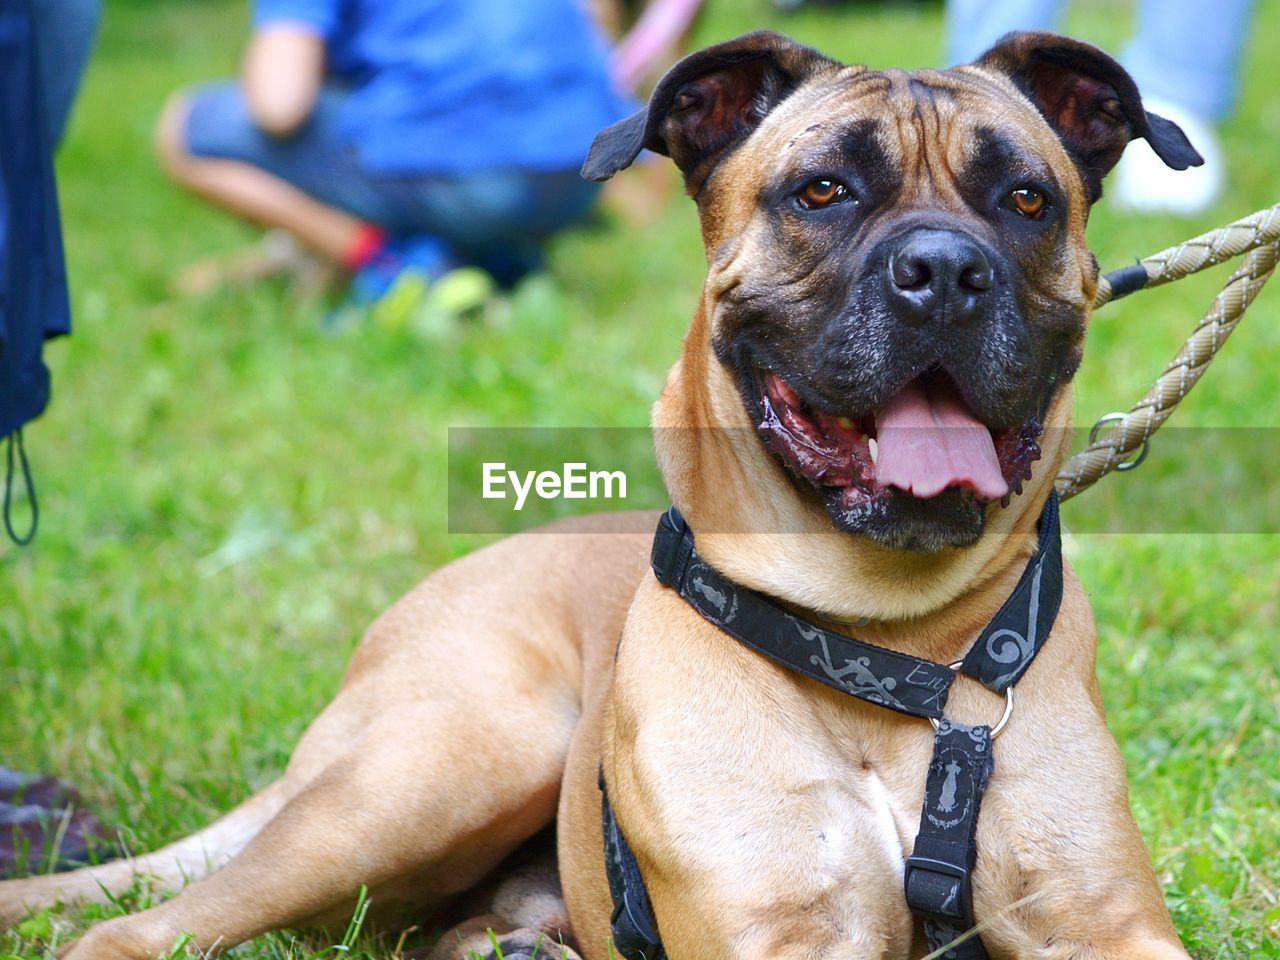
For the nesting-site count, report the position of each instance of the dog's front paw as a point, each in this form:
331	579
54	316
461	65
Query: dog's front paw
133	937
88	947
93	946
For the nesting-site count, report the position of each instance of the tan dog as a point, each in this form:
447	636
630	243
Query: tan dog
881	245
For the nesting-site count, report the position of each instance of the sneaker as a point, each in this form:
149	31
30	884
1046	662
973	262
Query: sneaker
432	308
1144	184
427	257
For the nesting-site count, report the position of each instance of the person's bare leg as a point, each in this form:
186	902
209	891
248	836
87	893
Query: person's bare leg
252	193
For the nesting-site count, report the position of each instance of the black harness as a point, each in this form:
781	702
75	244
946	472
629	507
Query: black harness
938	875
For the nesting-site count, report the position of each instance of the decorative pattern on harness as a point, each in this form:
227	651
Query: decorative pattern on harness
938	875
1005	649
938	872
884	677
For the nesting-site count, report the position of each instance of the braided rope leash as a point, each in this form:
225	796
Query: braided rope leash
1258	238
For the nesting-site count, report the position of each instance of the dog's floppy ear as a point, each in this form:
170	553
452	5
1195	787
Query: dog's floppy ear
708	102
1090	100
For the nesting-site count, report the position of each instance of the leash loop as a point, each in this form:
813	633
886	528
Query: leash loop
1118	418
1004	718
16	444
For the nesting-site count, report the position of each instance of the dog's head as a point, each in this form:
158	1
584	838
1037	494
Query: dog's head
899	280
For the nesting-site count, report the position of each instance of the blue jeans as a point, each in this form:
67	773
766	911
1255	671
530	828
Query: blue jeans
486	216
1184	51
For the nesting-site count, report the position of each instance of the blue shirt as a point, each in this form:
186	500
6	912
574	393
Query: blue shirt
445	86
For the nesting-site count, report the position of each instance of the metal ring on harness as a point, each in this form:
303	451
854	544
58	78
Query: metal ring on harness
1116	418
1004	719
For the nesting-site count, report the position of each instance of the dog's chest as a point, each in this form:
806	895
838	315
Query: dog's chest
760	780
854	820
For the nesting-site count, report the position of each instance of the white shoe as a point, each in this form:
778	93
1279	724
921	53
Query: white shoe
1143	183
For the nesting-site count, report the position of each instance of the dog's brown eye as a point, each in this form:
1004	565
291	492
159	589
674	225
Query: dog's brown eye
1028	201
823	193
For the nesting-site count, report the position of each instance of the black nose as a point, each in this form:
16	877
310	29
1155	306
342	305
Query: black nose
939	275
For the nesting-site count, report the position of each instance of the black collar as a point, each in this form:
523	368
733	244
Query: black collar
899	681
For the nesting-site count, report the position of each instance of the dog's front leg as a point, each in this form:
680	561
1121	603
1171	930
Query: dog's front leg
418	810
442	752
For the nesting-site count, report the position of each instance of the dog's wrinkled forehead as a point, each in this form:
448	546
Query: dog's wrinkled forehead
924	138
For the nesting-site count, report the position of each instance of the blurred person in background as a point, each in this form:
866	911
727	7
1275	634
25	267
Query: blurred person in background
650	37
1185	57
403	137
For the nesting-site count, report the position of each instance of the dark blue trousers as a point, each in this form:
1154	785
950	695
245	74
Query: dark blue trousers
33	283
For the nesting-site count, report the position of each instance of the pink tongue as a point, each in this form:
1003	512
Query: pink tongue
929	441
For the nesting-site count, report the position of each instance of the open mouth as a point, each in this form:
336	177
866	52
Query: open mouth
923	442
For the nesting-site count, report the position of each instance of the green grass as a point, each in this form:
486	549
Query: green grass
230	495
